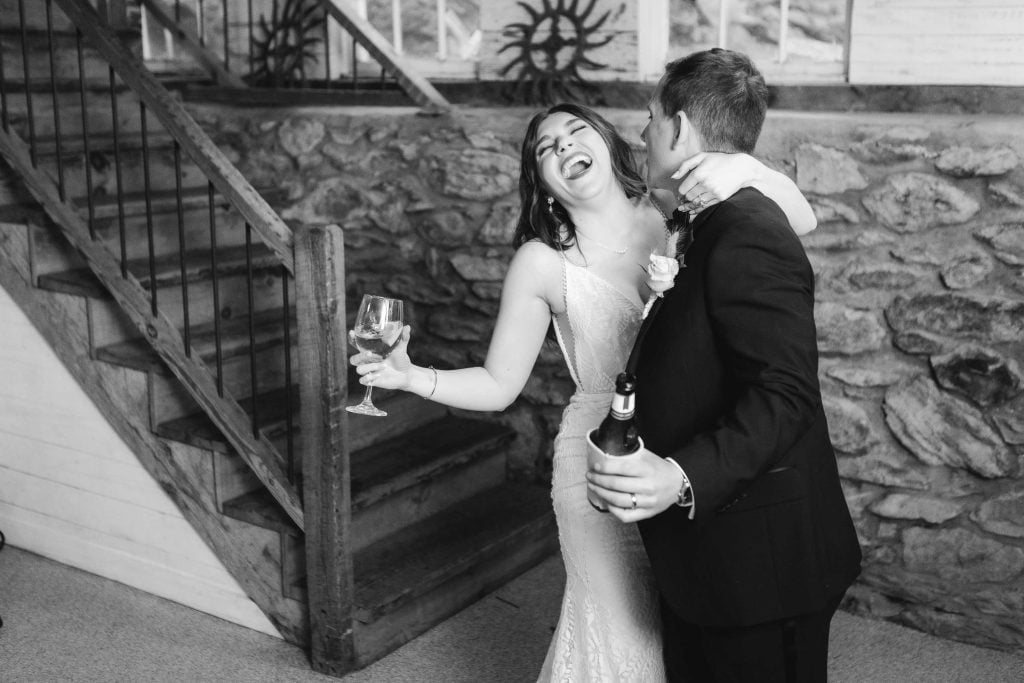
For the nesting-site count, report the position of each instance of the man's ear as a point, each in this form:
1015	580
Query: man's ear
680	129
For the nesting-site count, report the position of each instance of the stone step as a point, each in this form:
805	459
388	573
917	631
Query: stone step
398	480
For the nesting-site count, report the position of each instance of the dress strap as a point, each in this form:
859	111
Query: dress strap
565	338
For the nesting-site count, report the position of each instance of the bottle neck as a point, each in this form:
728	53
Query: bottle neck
622	406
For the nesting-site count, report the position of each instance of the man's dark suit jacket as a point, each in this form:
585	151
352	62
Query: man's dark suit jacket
727	385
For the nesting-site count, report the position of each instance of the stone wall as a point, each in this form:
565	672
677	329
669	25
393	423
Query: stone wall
919	259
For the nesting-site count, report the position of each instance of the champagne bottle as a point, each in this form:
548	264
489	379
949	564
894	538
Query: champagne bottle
617	434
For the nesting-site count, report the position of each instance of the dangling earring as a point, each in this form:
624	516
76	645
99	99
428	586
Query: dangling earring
551	205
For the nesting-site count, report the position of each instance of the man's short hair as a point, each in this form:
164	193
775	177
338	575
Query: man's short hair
722	93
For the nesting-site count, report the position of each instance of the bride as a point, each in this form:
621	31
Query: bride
586	223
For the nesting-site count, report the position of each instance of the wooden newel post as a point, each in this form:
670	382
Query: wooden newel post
320	300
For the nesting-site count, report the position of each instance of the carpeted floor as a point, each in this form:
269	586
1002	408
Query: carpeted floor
62	624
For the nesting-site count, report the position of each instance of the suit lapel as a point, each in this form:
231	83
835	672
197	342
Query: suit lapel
634	355
680	222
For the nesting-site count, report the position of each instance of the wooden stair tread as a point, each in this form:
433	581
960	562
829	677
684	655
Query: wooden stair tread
161	201
231	261
198	430
39	33
384	468
103	142
453	441
426	554
268	329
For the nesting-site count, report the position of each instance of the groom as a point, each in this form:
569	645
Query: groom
738	498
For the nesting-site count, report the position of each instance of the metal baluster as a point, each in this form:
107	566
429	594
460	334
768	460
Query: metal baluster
274	83
327	49
56	101
250	37
252	330
201	20
149	210
117	173
355	68
227	51
181	249
3	92
218	348
289	426
302	61
28	82
87	155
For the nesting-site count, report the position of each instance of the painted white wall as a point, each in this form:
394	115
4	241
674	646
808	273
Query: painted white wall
937	42
71	490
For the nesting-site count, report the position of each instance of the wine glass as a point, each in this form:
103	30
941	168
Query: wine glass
377	330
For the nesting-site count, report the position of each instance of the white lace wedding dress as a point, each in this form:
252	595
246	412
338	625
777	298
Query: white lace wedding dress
609	628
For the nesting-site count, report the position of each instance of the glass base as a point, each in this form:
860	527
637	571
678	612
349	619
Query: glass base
366	409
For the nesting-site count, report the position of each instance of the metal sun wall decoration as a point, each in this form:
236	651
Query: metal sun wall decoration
286	43
553	48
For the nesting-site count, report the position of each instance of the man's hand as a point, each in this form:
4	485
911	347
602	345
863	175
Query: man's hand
645	478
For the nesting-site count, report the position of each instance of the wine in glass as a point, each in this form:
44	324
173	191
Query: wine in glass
377	330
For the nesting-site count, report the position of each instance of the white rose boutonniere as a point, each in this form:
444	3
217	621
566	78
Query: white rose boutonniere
661	277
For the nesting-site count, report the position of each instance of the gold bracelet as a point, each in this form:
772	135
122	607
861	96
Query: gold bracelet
434	388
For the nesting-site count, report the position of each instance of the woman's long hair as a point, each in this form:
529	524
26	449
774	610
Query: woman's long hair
554	227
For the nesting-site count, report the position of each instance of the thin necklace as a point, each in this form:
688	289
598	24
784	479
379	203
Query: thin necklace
601	244
656	207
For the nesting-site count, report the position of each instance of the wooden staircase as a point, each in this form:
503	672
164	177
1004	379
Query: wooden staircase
407	519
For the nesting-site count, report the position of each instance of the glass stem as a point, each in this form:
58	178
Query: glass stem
366	397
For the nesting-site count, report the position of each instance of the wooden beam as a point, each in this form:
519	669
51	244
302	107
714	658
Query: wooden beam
225	412
188	39
417	87
320	295
114	11
193	139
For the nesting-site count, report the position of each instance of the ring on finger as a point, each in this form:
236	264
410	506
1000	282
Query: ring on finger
632	497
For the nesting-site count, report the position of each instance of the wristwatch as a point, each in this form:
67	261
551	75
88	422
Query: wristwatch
685	496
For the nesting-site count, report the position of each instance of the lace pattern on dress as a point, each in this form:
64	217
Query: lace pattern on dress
602	324
609	627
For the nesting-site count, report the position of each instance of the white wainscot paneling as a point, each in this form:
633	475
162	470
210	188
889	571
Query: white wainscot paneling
937	42
71	490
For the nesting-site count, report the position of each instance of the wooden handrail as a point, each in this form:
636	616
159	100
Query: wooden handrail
417	87
192	138
327	495
257	451
190	41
